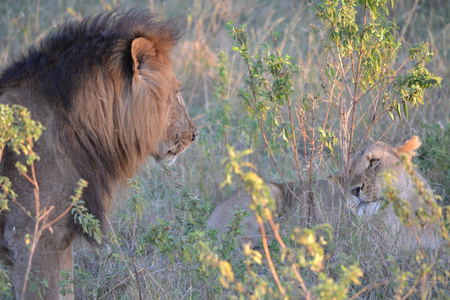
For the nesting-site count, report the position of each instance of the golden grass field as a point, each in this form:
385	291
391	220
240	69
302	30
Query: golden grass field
130	266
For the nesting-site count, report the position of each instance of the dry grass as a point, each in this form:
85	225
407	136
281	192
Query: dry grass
110	272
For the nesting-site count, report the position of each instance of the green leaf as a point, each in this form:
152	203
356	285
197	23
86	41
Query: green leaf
333	72
392	116
397	109
405	109
373	9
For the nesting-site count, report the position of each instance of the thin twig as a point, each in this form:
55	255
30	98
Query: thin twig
355	96
267	252
294	267
412	289
408	20
367	288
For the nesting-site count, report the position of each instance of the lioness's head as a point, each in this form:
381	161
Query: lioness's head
365	182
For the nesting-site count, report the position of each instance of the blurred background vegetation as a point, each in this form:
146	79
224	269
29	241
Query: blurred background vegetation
138	258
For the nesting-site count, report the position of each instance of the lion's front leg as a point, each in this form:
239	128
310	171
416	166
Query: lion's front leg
52	254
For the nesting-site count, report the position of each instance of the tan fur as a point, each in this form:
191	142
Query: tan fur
104	115
333	205
366	186
327	196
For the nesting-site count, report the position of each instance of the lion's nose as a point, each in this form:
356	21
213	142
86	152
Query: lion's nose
195	134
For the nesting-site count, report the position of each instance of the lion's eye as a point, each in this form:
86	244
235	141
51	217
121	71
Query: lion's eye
178	94
374	162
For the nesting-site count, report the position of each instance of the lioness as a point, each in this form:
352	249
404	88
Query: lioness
366	185
363	198
105	90
328	195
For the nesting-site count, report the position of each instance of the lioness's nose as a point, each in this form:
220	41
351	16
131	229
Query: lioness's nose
357	190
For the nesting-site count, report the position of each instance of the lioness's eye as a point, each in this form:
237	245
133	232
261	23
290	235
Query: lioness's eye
374	162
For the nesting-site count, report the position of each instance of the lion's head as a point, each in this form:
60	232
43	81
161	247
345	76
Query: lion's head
153	78
125	103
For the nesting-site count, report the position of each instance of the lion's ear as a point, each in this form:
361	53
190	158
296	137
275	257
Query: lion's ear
409	146
141	51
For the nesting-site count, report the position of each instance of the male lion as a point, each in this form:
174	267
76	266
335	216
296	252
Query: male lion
331	202
105	90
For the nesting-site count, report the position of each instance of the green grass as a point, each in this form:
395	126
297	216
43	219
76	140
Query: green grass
110	272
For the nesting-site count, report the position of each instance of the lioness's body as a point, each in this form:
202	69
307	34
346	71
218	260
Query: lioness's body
331	202
105	90
328	199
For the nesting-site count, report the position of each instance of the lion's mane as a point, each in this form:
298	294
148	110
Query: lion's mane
83	73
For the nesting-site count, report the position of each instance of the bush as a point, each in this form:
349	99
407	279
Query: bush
434	157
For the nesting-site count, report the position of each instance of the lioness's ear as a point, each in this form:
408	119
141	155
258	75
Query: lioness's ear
141	50
409	146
